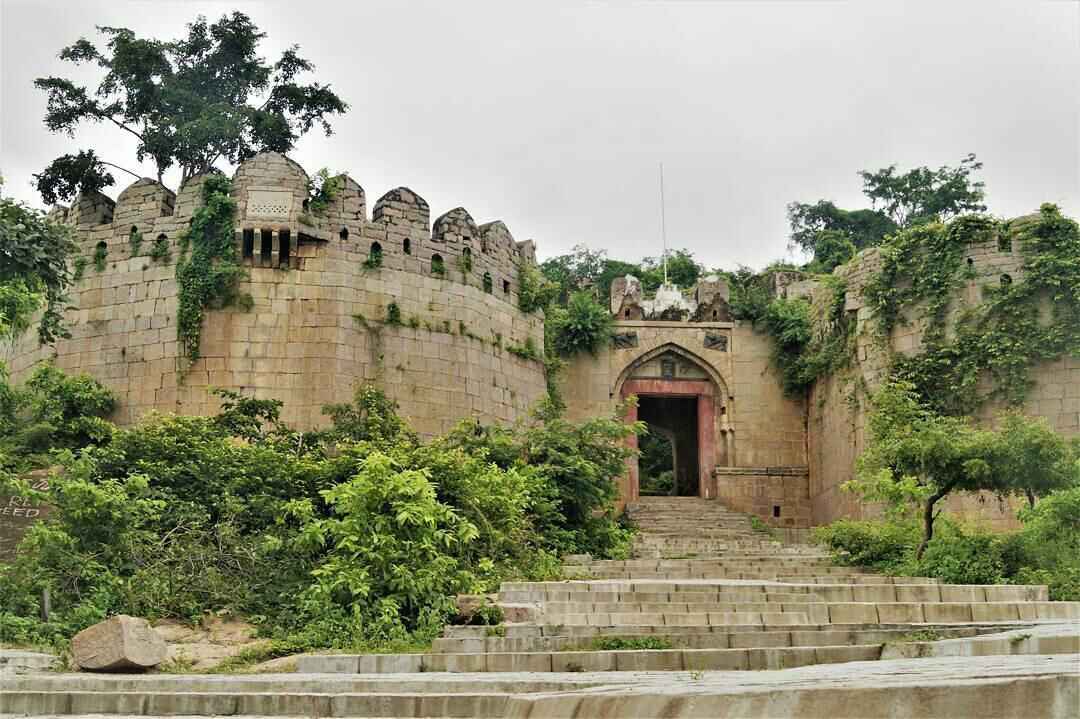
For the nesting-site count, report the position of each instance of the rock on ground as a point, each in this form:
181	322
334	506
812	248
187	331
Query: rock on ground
119	642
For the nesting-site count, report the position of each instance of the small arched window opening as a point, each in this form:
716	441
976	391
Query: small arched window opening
1006	280
487	282
375	256
715	314
305	204
506	287
438	267
483	244
1004	243
467	253
344	234
407	246
248	244
626	313
970	263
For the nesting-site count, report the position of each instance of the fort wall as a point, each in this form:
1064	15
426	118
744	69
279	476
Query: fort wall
322	284
838	403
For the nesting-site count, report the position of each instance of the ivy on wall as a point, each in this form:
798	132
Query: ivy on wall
1017	325
207	275
805	346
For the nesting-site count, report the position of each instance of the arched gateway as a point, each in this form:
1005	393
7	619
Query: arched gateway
683	398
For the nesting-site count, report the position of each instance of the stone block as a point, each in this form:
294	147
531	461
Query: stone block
583	661
119	642
900	613
994	612
853	613
947	613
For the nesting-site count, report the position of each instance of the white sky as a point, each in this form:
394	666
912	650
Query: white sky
554	116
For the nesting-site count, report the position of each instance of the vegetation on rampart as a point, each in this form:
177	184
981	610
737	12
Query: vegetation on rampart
34	274
1019	323
209	269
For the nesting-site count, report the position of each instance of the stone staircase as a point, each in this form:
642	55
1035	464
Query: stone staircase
705	599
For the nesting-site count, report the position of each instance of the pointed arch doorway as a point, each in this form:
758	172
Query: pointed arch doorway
681	398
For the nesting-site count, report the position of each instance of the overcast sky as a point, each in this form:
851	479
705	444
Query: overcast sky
554	117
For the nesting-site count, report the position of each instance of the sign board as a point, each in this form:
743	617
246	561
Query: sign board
18	514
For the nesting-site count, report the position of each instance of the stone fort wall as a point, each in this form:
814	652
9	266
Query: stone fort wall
316	328
838	404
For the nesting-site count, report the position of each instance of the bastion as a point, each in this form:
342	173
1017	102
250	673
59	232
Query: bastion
323	284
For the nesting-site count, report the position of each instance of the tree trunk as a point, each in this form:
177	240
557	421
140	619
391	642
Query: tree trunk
1030	498
928	519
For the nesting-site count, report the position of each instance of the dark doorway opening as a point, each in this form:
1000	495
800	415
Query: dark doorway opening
673	434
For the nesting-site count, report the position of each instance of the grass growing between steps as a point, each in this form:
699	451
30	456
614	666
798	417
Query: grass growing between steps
616	643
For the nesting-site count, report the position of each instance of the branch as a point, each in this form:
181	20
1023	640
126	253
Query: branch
122	126
124	169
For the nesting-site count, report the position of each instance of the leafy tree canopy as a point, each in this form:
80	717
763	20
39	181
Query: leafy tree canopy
583	269
916	456
33	271
899	200
190	102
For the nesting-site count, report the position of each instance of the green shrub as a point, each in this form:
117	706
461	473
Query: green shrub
958	558
356	536
160	252
882	545
584	325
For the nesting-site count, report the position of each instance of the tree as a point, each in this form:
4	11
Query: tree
574	271
831	249
682	270
923	195
915	455
864	228
33	271
189	102
1034	459
899	201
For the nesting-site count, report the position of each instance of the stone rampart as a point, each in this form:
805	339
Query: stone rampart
838	404
322	281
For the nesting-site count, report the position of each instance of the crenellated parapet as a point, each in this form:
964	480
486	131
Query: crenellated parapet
322	284
279	225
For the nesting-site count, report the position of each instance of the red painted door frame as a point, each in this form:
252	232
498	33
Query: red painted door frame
706	415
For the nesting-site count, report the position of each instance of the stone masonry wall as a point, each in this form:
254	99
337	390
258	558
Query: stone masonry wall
838	407
316	327
757	427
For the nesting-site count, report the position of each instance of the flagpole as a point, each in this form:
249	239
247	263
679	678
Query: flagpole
663	224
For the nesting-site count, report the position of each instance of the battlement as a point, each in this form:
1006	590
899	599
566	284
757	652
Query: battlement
275	222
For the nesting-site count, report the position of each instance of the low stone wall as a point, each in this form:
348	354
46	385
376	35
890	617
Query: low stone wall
780	496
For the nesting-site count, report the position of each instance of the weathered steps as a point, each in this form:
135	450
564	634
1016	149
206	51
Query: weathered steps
939	687
620	660
743	638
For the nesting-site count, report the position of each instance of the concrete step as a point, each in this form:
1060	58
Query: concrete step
531	631
707	640
642	660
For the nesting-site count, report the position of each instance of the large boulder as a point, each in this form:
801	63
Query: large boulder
120	642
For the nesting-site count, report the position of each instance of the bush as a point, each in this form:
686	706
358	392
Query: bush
881	545
583	326
958	558
357	536
1045	551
